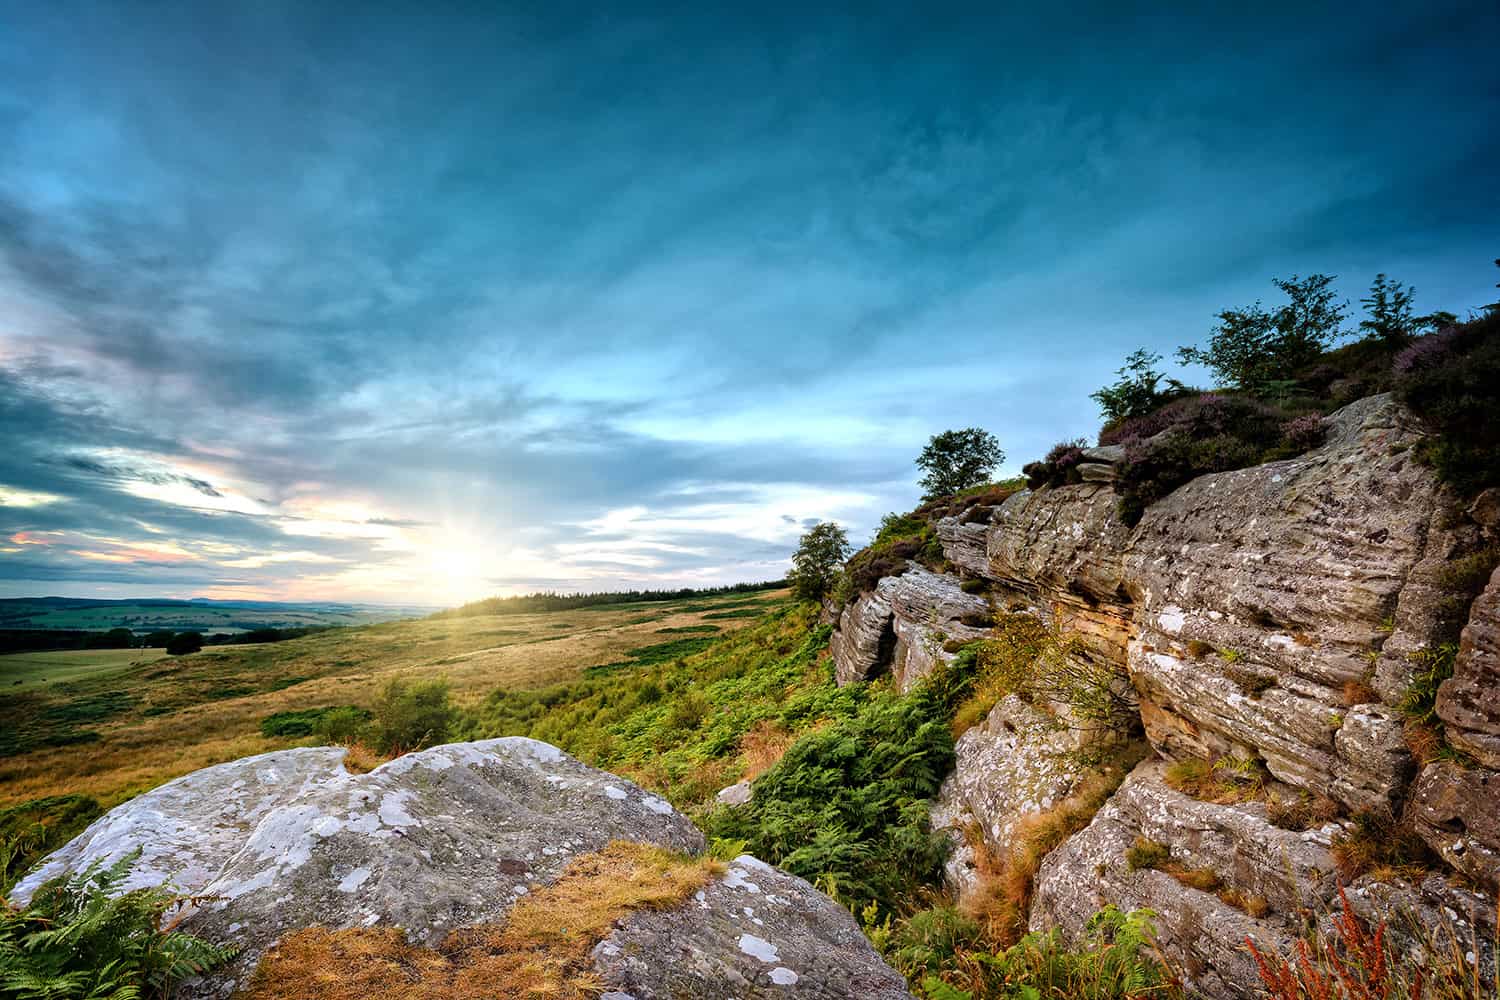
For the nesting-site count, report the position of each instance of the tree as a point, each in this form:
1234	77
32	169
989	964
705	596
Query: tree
412	715
1136	392
1257	351
1391	321
957	460
183	643
815	565
119	638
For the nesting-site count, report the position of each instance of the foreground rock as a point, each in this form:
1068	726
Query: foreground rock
450	837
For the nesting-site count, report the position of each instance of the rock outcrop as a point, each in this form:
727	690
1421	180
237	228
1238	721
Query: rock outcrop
1233	849
1272	618
453	837
902	625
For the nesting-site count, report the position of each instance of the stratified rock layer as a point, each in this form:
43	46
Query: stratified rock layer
1237	844
446	838
902	625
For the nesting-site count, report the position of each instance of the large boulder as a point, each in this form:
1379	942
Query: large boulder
784	937
438	840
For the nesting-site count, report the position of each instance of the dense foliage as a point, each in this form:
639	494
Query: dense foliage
410	715
1259	351
954	461
81	939
1451	379
846	808
815	564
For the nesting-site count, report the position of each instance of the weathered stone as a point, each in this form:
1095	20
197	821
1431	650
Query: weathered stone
1469	701
187	828
453	836
902	626
757	932
1019	761
1096	472
1196	928
1109	454
1315	572
1485	510
1457	811
736	794
1426	917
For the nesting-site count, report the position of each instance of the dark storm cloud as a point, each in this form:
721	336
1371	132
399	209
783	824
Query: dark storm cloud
282	283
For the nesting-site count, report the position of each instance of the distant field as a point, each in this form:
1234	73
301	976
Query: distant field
25	671
113	723
181	616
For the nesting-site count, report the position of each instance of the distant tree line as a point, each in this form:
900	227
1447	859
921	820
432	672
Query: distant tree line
43	640
551	601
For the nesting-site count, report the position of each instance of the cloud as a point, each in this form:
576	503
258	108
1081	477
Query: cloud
634	300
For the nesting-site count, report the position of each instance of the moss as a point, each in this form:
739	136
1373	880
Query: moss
1147	854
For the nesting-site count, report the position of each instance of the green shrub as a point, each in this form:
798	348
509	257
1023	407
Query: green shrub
184	643
335	723
29	831
1451	379
410	715
1115	961
846	808
78	941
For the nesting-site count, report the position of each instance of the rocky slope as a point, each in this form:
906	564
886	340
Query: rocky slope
453	837
1271	618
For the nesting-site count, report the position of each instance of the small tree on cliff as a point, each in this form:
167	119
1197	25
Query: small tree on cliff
1256	351
957	460
815	566
1391	319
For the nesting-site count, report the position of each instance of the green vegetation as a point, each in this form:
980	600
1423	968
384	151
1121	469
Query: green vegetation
410	715
846	807
1451	379
544	601
1137	391
77	941
1261	352
20	672
32	830
954	461
1116	960
815	564
1144	854
184	643
331	724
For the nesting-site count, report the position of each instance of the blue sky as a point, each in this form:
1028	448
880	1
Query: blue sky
337	301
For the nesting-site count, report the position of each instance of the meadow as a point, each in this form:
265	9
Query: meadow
109	724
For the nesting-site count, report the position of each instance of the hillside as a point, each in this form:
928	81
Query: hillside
199	615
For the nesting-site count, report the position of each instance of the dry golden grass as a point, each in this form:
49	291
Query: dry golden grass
541	951
763	746
194	711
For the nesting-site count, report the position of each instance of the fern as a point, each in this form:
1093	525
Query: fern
81	938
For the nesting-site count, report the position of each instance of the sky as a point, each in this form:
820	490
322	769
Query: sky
422	303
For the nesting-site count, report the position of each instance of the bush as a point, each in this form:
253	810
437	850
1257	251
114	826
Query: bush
78	939
410	715
1059	468
1451	380
335	723
1116	960
846	807
184	643
1186	439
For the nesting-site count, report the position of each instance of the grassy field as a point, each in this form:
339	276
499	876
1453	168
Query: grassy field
26	671
113	731
182	616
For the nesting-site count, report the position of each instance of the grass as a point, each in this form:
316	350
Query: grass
542	949
189	712
24	672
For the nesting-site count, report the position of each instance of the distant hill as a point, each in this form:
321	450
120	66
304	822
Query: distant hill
201	615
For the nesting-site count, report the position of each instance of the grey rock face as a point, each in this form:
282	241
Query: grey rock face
1316	571
1469	701
1457	811
430	842
901	627
1018	762
756	932
1288	870
187	828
